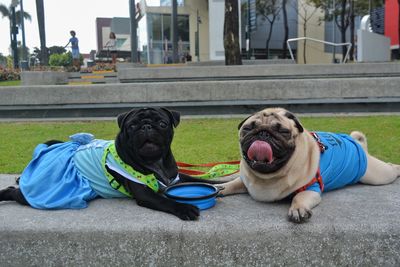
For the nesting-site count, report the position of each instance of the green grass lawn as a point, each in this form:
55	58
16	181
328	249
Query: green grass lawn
195	141
10	83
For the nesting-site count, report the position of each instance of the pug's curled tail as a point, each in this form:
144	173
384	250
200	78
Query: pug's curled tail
360	138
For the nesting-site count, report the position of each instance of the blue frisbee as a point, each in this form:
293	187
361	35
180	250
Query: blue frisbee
201	195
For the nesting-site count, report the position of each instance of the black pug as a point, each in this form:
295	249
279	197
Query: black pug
139	164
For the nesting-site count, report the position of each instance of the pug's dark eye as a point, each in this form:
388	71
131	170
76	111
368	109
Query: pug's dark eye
247	128
284	131
163	124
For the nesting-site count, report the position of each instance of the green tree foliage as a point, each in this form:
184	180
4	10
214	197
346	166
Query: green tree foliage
6	12
21	50
36	55
3	61
63	60
56	50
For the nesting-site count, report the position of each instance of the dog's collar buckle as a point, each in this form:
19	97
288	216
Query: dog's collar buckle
321	145
115	184
316	179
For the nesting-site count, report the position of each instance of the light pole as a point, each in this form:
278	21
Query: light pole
197	37
24	62
132	13
174	28
248	31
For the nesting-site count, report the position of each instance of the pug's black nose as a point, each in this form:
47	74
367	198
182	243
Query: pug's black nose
263	134
146	127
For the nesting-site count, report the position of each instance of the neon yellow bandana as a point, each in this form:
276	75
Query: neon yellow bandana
149	180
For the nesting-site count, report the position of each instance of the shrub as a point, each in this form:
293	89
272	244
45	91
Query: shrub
9	74
64	60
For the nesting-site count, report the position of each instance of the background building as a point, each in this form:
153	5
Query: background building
154	31
200	31
261	27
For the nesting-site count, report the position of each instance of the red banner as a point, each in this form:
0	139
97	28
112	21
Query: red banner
391	21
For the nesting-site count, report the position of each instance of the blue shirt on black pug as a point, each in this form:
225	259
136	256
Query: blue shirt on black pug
343	162
68	175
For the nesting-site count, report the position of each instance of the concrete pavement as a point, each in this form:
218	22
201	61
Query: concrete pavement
355	226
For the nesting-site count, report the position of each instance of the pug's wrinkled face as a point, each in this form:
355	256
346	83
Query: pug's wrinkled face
147	133
268	139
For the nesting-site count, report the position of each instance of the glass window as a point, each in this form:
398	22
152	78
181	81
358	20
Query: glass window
169	2
166	24
155	26
159	50
183	27
119	42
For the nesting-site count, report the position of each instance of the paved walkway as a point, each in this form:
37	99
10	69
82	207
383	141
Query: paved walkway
355	226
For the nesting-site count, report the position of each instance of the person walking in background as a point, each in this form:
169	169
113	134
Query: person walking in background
75	50
111	45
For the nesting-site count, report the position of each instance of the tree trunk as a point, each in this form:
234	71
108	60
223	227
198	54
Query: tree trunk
343	28
305	42
231	33
11	38
352	29
268	40
285	29
44	60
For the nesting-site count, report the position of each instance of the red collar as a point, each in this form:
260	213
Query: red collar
316	178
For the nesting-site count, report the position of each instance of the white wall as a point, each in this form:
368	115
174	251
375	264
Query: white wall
216	15
372	47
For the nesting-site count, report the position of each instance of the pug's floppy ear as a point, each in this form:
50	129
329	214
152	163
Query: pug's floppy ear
296	121
174	116
243	121
122	117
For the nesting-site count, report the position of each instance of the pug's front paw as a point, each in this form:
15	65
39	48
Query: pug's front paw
299	214
186	211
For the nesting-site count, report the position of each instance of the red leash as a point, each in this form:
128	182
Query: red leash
221	168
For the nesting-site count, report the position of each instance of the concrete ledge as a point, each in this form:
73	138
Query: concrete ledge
355	226
44	77
286	71
206	108
205	97
244	61
201	91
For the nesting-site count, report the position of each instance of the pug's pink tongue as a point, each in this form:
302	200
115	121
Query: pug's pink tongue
260	151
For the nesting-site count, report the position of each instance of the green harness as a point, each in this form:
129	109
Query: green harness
149	180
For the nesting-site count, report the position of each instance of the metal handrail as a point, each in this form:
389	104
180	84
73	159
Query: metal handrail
319	41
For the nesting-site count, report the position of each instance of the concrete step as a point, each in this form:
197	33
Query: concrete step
96	77
258	72
205	97
349	228
203	91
